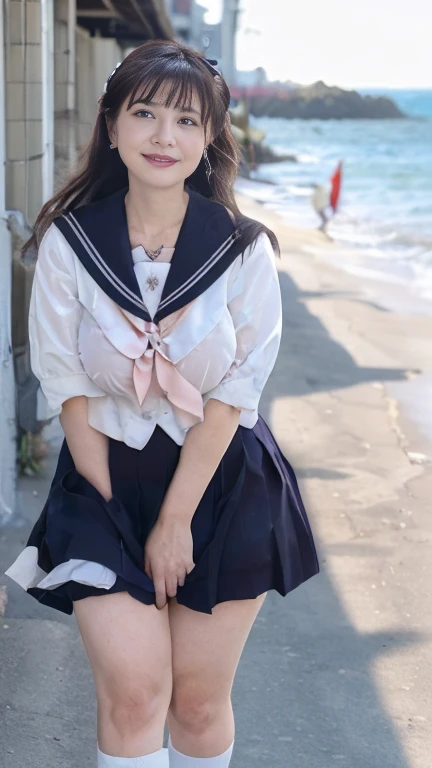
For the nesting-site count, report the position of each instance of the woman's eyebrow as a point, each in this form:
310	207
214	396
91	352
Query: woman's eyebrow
191	110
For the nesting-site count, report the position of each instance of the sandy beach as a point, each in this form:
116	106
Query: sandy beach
350	403
340	672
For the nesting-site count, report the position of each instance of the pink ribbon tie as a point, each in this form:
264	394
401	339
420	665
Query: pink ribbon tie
180	392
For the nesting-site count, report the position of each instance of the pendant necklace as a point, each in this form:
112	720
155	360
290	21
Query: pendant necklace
153	281
153	254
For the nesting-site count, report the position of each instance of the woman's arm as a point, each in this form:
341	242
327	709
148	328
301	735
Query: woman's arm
203	449
89	448
54	319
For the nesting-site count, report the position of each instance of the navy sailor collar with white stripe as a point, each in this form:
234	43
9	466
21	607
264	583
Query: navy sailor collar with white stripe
207	244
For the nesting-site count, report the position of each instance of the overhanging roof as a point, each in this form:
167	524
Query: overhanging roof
127	20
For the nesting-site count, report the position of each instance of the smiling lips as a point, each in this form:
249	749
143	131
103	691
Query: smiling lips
160	160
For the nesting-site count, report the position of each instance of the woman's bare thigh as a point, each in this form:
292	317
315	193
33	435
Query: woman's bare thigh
129	648
206	650
123	636
211	645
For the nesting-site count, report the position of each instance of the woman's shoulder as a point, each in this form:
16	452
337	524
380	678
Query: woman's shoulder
54	251
257	261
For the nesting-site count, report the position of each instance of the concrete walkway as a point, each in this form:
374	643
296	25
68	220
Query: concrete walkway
338	673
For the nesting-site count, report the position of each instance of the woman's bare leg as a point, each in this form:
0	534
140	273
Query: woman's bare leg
205	653
129	648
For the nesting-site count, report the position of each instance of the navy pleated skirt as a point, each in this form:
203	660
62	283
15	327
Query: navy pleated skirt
250	530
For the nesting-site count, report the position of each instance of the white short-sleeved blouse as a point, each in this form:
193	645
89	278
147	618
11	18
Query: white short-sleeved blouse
136	374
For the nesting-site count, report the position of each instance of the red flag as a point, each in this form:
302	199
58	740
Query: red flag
336	183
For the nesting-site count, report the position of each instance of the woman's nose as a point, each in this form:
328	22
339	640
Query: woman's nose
163	135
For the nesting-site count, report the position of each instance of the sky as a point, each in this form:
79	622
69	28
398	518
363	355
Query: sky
371	44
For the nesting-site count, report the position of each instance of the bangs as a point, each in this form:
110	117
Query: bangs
176	82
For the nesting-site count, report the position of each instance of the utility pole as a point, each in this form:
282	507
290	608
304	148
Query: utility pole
228	41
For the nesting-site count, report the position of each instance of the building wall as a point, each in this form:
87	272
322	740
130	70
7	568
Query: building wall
23	73
27	150
52	77
98	56
85	97
64	92
76	108
27	154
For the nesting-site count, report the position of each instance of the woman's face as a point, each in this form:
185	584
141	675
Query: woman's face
145	131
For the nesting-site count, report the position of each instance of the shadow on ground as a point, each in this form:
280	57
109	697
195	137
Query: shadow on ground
305	693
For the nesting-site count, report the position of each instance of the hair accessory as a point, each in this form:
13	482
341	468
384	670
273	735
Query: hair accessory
211	65
109	79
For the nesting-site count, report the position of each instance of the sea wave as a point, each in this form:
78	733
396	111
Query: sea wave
385	212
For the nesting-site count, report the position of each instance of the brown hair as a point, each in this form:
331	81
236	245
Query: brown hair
102	172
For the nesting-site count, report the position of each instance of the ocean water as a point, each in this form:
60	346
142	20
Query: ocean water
385	211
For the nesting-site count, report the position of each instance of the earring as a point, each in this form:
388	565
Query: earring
207	164
112	146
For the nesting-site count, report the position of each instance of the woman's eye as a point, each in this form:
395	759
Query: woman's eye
145	112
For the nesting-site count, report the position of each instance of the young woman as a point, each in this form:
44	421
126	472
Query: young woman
155	322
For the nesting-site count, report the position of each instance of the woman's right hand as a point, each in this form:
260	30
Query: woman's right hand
168	557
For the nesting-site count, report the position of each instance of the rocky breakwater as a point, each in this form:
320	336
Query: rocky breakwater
321	102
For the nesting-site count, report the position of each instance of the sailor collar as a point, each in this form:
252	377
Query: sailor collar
207	244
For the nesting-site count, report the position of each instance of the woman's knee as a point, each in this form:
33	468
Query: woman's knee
132	706
195	707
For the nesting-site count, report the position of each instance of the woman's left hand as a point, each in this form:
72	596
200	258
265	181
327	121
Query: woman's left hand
168	557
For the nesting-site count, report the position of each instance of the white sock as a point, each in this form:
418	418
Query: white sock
177	760
157	759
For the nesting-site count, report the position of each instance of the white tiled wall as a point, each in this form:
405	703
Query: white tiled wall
23	72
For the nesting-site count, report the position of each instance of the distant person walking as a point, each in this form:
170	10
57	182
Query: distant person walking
325	199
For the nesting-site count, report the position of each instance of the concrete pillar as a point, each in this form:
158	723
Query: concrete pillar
7	384
48	160
64	88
